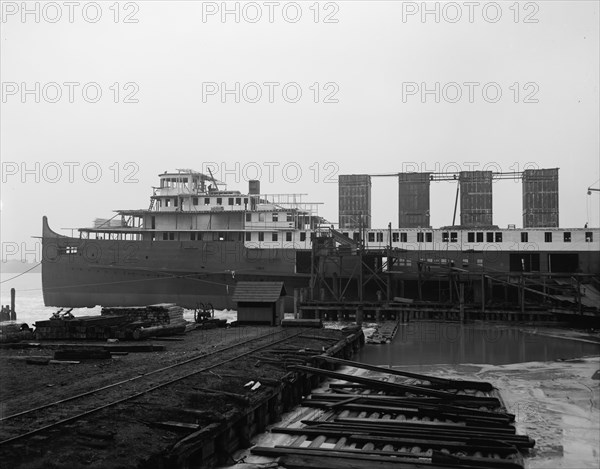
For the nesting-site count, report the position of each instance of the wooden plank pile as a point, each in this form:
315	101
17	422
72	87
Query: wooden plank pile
84	327
11	331
394	419
116	323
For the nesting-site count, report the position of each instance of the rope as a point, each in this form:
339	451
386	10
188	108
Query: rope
17	276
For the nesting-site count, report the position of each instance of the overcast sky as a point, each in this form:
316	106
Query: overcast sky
367	64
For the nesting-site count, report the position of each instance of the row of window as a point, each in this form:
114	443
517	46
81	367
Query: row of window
427	237
219	200
172	182
472	237
261	216
589	236
207	201
465	262
170	236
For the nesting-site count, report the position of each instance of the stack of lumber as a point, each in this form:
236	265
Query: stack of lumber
85	327
11	331
173	322
116	323
162	313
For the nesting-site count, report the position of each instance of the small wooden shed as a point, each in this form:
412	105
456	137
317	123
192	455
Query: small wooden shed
259	302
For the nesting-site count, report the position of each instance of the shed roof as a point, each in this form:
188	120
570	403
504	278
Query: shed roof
258	292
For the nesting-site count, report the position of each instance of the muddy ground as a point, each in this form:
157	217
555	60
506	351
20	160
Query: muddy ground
132	436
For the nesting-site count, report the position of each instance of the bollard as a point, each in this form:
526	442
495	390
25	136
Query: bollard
359	315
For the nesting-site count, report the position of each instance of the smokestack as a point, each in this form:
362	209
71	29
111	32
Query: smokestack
254	187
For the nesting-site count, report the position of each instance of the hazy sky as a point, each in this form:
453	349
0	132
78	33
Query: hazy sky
366	64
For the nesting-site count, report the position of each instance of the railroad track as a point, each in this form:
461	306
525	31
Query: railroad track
50	416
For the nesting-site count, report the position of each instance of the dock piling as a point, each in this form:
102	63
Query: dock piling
13	313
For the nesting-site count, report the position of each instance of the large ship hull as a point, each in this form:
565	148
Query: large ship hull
85	273
88	272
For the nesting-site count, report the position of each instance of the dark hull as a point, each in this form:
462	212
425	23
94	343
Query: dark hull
86	273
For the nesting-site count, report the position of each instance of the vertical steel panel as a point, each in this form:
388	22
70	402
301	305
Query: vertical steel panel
413	200
354	201
540	198
475	198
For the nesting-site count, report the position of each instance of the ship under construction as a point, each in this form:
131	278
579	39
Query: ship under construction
197	240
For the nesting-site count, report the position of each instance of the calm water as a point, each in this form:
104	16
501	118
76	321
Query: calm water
425	343
30	301
432	343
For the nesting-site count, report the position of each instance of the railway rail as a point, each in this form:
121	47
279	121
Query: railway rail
43	418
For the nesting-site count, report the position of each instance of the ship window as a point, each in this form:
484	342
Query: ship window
275	217
206	200
245	200
248	236
248	217
395	237
567	236
420	237
371	237
453	236
176	201
167	202
346	234
171	236
403	237
303	236
444	236
273	236
261	217
289	217
524	236
195	200
288	236
465	262
489	237
219	201
470	237
589	236
238	201
230	201
498	237
548	237
479	237
480	262
379	237
261	236
193	236
356	236
429	237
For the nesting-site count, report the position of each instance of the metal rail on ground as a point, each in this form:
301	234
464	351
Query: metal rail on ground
141	393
